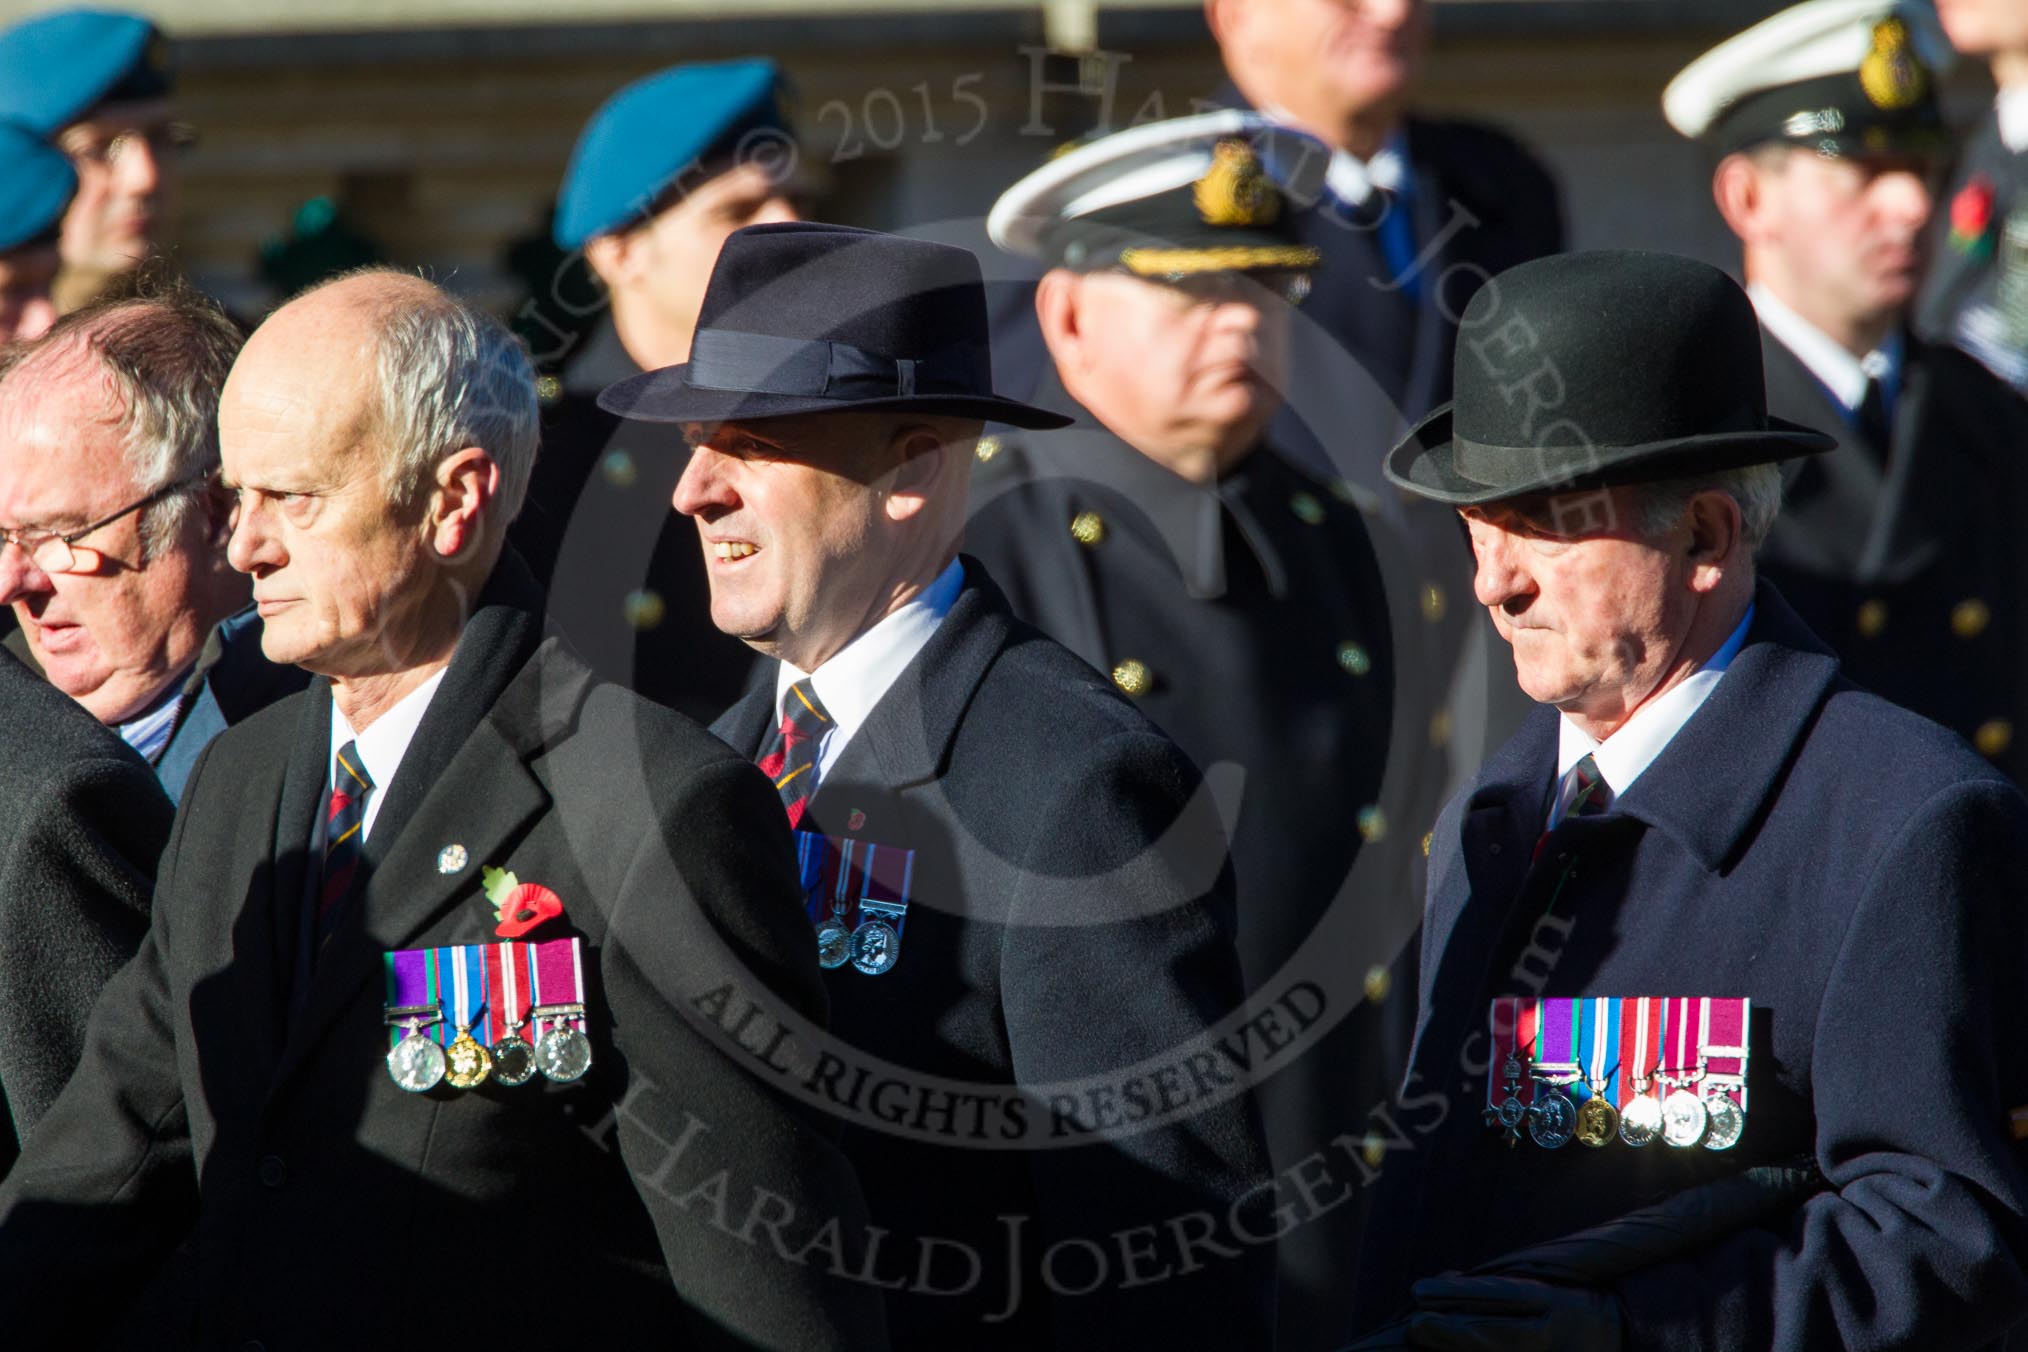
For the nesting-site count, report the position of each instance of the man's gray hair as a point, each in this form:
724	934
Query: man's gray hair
452	376
1756	488
166	349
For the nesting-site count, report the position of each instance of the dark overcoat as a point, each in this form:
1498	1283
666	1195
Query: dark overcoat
1852	869
82	823
1905	558
325	1206
1971	291
1071	918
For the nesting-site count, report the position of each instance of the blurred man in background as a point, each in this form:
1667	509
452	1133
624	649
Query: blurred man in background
36	183
98	86
114	558
663	172
1976	295
1900	548
1235	598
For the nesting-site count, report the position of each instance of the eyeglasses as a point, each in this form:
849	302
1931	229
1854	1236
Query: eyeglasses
1288	285
54	553
162	139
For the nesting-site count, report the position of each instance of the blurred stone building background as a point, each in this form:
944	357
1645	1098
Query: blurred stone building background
440	128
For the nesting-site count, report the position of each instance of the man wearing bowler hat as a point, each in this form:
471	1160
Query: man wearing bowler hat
1898	548
1719	938
1029	980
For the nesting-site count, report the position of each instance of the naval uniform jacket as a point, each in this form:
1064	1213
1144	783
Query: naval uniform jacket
82	822
1852	869
1070	917
1906	559
625	575
325	1206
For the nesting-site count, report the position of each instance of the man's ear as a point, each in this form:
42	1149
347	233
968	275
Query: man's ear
218	502
466	484
1223	17
921	455
1717	546
1056	313
1741	195
614	257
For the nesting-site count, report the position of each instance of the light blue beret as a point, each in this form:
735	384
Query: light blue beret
36	182
643	138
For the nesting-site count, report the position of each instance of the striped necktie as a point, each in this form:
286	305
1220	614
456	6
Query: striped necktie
344	836
790	756
1583	792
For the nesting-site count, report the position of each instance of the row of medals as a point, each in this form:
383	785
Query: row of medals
874	947
560	1052
1681	1118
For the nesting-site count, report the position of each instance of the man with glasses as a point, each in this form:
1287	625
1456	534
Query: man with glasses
97	85
1234	598
113	527
1899	548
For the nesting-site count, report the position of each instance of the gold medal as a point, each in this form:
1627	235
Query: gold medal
1598	1122
467	1064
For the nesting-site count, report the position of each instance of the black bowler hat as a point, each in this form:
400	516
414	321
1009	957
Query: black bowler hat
807	318
1587	369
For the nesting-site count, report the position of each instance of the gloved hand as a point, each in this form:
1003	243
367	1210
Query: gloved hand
1513	1314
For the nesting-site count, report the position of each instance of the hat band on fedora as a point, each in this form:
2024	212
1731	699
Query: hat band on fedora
761	363
1492	465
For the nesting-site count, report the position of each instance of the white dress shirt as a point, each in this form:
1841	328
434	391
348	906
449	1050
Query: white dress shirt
1627	752
1843	374
852	682
2011	107
382	745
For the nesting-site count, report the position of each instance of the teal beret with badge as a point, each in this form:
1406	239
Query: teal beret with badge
1840	77
56	68
36	183
658	132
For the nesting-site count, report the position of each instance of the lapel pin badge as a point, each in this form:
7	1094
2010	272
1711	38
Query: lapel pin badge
452	859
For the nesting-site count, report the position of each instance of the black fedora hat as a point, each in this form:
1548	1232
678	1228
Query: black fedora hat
807	318
1587	369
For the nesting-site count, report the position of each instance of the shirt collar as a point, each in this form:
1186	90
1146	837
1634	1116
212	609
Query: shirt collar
1623	756
383	744
852	682
148	733
1352	180
2010	106
1843	374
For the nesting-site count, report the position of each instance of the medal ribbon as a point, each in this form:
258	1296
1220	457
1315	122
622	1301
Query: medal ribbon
1602	1050
1640	1045
1558	1044
1527	1018
559	977
881	885
1725	1023
507	990
1679	1036
410	984
1500	1038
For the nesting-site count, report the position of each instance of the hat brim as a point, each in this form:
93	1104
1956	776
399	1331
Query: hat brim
666	396
1425	463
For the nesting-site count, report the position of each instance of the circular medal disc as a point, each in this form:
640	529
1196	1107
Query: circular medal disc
1553	1120
563	1054
470	1063
1728	1122
416	1064
1512	1110
1597	1122
876	947
1641	1123
1683	1119
513	1060
834	944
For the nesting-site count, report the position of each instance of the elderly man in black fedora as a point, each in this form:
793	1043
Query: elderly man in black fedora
1024	998
1714	911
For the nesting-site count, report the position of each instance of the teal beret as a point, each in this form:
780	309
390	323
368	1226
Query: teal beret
36	182
645	137
55	68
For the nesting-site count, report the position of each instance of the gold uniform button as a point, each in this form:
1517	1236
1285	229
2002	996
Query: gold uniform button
1088	529
1970	617
1354	658
1872	619
1993	738
1133	678
1427	837
1433	601
1372	822
1378	983
644	608
1307	509
987	448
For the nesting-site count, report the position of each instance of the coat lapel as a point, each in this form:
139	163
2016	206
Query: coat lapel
745	725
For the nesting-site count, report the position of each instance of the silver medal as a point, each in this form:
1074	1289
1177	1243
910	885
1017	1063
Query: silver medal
417	1063
876	947
1641	1123
1683	1119
562	1053
1728	1122
834	943
1552	1119
513	1060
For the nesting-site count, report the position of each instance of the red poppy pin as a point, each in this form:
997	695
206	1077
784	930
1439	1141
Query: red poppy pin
1972	216
518	906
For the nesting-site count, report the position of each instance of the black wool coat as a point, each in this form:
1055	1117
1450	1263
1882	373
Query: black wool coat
82	823
1071	917
326	1207
1852	869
